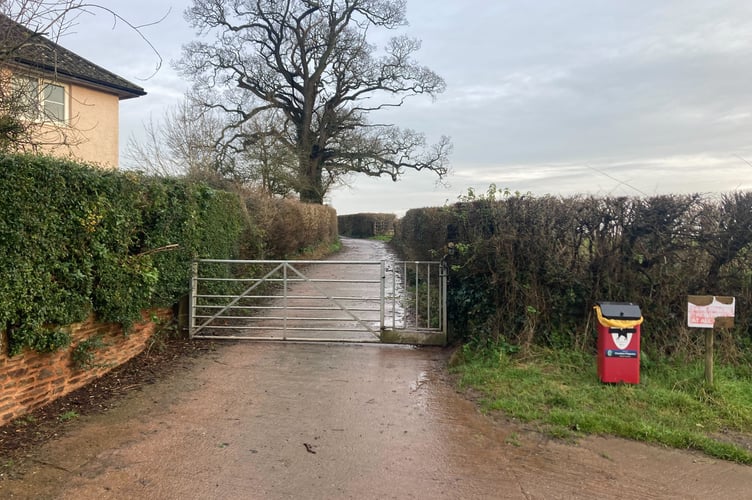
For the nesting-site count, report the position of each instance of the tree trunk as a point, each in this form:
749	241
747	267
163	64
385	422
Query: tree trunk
313	190
311	196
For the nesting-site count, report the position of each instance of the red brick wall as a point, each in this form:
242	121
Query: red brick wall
30	380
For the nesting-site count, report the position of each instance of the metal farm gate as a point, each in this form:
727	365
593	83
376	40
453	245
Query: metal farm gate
326	301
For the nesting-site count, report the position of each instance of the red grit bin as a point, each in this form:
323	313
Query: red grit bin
618	342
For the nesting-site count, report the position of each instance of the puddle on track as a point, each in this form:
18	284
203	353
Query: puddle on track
304	420
277	420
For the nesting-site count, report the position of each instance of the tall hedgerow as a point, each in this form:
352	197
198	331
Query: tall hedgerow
76	240
529	269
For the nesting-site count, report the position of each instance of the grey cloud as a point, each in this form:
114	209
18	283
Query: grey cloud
657	94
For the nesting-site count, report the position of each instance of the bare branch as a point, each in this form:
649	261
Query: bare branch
308	64
29	31
137	28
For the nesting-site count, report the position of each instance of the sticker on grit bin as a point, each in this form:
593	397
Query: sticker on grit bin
622	338
620	353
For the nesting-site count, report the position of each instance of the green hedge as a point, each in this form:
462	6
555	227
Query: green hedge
529	269
292	227
366	225
76	240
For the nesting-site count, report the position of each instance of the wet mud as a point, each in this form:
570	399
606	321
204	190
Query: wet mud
307	420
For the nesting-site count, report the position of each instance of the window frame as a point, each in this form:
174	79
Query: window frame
46	89
39	86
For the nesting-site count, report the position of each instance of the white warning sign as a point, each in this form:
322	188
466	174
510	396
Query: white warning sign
708	311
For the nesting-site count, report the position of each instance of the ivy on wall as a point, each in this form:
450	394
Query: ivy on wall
76	240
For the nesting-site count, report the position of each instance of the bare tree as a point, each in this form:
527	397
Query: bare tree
182	144
26	123
309	62
22	124
269	164
186	142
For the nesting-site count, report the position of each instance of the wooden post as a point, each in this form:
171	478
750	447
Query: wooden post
709	334
710	312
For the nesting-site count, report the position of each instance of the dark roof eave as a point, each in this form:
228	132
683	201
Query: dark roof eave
121	91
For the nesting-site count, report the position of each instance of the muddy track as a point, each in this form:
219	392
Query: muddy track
275	420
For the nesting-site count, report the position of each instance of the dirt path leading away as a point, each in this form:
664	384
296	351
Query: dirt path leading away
274	420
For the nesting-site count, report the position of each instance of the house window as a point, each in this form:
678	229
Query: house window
41	100
53	102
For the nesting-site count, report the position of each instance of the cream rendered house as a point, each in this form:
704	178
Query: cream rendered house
74	103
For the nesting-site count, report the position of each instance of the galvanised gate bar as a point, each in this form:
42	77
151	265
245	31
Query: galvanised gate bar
325	301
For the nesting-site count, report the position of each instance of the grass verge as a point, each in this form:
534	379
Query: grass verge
320	251
560	393
386	238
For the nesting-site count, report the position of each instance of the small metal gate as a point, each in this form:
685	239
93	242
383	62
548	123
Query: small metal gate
325	301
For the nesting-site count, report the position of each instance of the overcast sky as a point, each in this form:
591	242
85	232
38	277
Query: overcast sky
600	97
